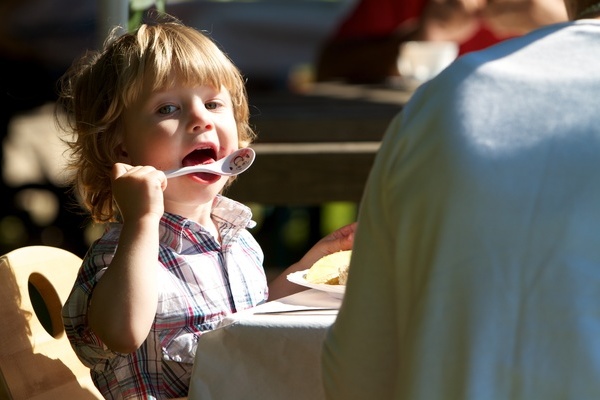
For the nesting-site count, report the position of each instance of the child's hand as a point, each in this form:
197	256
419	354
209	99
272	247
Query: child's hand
138	191
341	239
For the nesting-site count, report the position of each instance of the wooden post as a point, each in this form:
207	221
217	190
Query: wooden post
110	14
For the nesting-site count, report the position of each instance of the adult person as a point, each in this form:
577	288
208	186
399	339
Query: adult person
365	46
476	265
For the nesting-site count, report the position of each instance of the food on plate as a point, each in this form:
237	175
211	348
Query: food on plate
343	270
331	269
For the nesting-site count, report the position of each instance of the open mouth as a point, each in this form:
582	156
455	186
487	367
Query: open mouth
200	157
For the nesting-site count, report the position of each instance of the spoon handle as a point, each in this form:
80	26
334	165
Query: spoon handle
193	169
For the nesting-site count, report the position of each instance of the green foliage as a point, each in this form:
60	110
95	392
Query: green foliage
138	8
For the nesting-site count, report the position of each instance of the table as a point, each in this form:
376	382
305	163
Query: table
266	353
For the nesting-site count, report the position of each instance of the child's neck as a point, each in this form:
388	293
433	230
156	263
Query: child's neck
205	219
201	214
213	229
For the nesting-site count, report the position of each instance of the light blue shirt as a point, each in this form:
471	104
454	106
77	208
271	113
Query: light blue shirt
476	266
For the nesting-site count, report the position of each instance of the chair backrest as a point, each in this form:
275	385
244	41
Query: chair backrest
36	358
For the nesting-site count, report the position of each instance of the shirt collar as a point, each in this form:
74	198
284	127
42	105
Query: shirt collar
229	215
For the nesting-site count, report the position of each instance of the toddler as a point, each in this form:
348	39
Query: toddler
176	256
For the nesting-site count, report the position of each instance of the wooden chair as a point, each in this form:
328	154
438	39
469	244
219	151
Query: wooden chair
36	359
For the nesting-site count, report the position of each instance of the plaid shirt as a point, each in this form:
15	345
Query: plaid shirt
201	281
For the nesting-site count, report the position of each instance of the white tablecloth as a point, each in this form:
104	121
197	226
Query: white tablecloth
266	356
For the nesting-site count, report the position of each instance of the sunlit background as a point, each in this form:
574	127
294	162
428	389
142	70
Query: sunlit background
273	42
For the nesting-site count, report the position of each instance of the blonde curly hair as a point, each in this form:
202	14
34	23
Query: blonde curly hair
96	90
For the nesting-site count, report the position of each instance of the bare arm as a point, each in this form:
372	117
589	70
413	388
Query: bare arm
341	239
458	20
517	17
450	20
123	304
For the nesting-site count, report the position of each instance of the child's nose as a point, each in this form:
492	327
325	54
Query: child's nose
200	118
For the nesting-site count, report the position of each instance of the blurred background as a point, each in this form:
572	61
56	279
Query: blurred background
273	42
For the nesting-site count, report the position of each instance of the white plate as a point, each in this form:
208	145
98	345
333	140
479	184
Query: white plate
298	278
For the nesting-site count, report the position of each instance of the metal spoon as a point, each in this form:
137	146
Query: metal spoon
235	163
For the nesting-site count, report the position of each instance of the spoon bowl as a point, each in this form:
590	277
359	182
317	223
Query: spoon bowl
234	164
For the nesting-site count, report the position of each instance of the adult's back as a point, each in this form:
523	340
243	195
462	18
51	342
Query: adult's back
476	266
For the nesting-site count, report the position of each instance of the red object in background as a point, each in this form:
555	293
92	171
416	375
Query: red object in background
380	18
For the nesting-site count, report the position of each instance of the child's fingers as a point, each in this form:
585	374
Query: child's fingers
140	172
119	169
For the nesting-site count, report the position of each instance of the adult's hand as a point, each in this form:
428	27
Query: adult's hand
451	20
517	17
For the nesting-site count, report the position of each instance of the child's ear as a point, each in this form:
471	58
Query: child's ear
121	153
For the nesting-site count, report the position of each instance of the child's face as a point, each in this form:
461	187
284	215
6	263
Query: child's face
178	127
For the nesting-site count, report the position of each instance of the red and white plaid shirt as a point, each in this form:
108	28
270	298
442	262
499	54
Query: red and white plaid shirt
201	282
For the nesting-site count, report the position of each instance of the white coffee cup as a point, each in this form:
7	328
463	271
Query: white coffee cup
420	61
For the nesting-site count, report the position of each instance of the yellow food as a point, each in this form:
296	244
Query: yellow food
343	271
330	269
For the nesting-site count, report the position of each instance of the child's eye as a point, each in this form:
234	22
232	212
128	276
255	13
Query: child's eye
167	109
212	105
